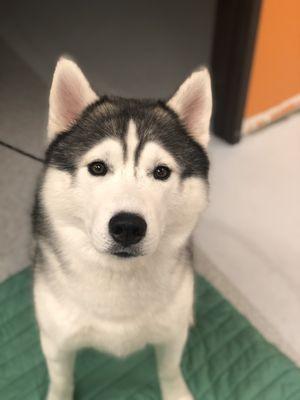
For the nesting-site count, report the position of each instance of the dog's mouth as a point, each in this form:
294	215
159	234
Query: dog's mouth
125	254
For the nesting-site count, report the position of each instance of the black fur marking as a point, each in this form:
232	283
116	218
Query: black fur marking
38	217
41	226
109	117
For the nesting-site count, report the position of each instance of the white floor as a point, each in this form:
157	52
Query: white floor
249	239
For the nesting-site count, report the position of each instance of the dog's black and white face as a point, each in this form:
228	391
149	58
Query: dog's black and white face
129	175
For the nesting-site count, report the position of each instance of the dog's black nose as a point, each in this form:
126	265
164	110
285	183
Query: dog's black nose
127	228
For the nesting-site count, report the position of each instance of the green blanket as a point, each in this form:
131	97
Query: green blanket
225	357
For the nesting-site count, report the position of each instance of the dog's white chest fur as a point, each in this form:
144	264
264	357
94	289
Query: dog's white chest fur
115	312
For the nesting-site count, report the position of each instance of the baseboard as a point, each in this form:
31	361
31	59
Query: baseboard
258	121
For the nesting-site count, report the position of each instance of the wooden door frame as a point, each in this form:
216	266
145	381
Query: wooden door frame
233	46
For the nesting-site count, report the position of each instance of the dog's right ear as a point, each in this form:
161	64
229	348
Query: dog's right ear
70	94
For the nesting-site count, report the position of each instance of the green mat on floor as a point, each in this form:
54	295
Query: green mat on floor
225	357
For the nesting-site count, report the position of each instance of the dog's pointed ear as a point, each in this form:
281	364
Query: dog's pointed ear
70	94
193	104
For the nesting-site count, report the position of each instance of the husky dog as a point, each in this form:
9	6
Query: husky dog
124	183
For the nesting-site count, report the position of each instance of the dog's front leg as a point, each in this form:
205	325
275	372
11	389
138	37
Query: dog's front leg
60	365
168	356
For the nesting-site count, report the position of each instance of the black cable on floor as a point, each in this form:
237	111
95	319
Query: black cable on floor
24	153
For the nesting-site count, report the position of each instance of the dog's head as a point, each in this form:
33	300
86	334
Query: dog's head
131	175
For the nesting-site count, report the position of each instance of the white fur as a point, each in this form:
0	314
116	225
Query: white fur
132	143
193	103
91	298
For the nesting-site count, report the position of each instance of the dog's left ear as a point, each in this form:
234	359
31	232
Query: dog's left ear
70	94
193	104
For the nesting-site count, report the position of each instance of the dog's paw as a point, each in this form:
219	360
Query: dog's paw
177	392
56	396
187	396
60	394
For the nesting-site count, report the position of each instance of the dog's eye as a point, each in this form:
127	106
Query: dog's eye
162	172
98	168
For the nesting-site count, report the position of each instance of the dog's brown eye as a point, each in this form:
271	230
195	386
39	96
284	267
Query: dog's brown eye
98	168
162	172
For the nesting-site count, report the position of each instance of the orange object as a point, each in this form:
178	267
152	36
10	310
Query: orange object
275	73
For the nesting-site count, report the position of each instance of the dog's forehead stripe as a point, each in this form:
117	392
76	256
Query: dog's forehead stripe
132	142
